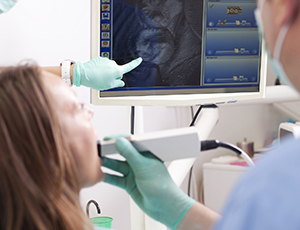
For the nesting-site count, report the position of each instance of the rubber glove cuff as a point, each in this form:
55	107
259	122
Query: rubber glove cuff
78	71
190	203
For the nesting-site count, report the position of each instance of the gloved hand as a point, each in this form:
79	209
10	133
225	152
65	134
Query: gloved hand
117	135
102	73
6	5
148	182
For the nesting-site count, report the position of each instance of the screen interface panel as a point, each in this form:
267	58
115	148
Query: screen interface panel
187	46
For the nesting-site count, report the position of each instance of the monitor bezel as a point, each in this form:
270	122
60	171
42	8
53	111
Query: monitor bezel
169	100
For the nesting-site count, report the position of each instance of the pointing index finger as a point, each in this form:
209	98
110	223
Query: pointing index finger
131	65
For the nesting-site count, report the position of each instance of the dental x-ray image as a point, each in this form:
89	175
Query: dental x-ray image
167	34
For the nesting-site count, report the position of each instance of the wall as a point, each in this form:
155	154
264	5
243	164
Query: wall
50	31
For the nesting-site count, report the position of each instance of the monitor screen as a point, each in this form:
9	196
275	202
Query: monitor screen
194	51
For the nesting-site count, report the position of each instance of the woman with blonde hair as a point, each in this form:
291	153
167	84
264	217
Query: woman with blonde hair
48	152
41	157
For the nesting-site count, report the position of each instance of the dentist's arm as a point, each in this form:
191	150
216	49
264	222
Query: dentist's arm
57	70
52	69
199	217
148	182
102	73
98	73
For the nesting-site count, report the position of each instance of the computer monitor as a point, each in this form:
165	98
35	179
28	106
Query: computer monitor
194	51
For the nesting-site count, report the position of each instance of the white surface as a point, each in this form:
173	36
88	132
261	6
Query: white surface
278	94
288	127
167	145
205	124
224	160
289	108
46	31
219	180
175	100
137	216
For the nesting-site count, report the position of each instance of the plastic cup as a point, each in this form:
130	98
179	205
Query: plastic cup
102	221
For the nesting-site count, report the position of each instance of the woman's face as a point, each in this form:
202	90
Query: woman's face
75	119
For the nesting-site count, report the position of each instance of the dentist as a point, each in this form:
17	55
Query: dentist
268	195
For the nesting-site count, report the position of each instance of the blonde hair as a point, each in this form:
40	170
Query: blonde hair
39	186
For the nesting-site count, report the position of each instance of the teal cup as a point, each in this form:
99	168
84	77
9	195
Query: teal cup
102	221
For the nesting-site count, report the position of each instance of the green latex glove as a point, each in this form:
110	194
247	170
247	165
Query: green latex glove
102	73
149	184
117	135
